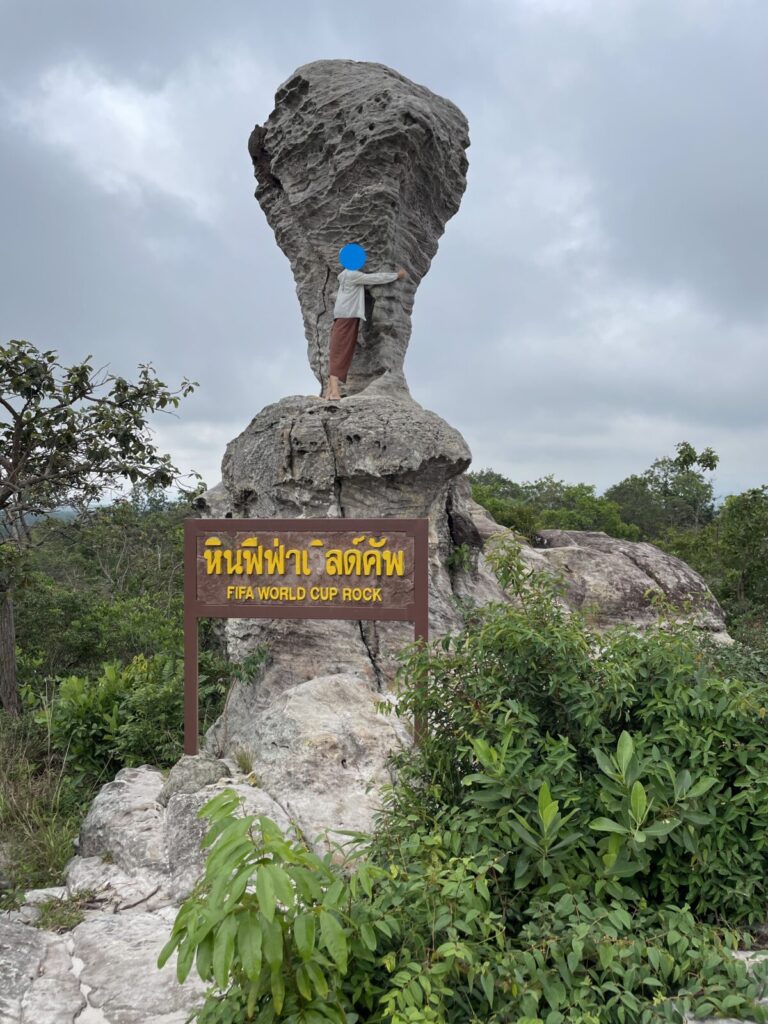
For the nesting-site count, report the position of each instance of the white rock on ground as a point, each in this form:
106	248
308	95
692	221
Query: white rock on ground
321	747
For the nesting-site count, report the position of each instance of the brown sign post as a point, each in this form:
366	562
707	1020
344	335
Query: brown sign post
300	569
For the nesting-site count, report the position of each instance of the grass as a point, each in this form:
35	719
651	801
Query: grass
41	808
243	760
63	915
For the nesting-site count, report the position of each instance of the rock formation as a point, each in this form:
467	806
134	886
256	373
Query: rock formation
355	152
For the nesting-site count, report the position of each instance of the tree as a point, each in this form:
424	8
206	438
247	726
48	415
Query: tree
66	435
548	503
671	494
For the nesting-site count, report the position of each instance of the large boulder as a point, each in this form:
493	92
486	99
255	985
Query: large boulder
354	151
620	581
375	454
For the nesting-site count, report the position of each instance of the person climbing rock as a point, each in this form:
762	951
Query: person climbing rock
348	311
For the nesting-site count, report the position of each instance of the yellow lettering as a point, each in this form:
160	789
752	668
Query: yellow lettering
394	562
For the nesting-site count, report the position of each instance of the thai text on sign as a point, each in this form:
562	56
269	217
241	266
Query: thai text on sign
306	567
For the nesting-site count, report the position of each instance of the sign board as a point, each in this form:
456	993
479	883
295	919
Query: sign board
300	569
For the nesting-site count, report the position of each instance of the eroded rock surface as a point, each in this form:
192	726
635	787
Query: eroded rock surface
373	455
616	581
321	748
355	152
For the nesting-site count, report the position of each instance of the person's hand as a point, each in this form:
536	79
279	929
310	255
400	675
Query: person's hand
401	274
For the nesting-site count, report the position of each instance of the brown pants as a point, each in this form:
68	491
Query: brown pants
342	348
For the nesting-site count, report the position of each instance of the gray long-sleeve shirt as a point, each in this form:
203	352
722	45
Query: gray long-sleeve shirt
350	299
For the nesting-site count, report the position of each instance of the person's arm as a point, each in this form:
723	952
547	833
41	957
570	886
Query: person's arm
384	277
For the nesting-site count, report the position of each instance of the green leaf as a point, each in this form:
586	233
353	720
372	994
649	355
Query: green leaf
204	957
604	763
223	950
168	948
545	799
624	751
304	935
334	939
278	988
638	802
606	825
486	983
318	979
249	938
281	885
701	787
272	941
185	959
265	892
661	828
368	935
303	983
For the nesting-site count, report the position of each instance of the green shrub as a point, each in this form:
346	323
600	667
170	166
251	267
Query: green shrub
577	838
129	715
83	629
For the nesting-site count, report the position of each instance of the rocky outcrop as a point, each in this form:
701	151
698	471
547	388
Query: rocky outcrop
619	581
373	454
355	152
324	748
321	748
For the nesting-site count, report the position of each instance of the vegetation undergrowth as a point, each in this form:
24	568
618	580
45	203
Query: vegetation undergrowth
41	807
580	837
100	673
62	915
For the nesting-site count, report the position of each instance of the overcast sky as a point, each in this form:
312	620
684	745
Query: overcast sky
601	295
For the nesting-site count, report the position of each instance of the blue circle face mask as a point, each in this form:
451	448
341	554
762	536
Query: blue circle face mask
352	256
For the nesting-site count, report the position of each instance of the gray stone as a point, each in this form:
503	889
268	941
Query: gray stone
117	889
373	454
131	797
305	457
321	750
614	580
190	774
119	967
22	951
356	152
55	996
55	892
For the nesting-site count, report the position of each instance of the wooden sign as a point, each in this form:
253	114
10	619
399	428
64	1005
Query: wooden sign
300	569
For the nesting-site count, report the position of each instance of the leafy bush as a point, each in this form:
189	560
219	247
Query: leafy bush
129	715
83	630
583	816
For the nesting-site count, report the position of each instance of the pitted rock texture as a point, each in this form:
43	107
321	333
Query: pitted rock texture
367	456
615	581
355	152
